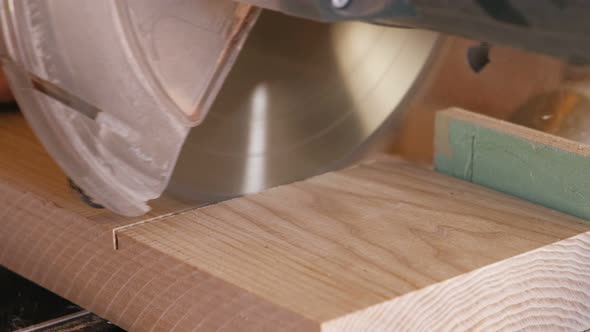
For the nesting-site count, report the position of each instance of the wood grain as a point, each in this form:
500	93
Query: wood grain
382	246
48	236
544	290
139	288
530	164
332	246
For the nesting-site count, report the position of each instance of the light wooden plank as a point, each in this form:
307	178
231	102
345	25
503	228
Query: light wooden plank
139	288
530	164
544	290
348	249
48	236
382	246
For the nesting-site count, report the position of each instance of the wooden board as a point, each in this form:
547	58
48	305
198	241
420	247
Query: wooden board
336	245
382	246
539	167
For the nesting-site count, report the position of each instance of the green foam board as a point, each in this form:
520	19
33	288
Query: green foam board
538	167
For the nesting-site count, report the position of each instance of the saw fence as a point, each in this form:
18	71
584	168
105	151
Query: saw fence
385	245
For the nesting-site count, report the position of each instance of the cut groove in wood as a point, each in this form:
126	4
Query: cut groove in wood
141	222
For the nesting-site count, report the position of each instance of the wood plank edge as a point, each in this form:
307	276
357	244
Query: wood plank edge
544	289
136	287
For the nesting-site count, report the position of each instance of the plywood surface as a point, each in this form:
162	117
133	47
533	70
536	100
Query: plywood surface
381	246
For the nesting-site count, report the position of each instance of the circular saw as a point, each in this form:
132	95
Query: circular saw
214	99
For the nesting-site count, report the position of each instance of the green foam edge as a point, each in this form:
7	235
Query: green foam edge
540	173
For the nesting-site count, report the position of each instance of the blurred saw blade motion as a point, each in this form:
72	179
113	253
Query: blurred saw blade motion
112	87
302	98
305	97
